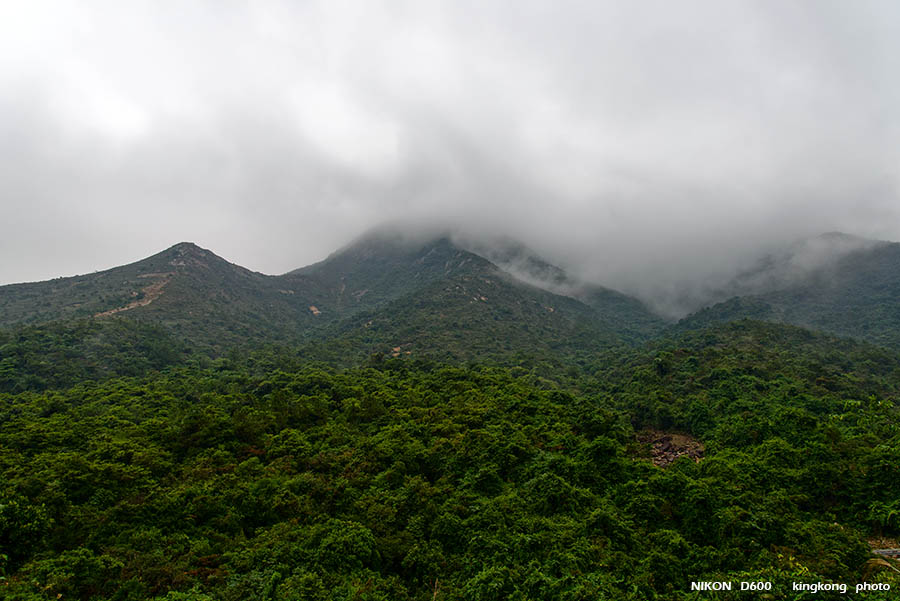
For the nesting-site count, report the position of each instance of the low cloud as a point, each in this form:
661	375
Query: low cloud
649	147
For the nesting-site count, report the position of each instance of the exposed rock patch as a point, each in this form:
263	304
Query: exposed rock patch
885	547
666	447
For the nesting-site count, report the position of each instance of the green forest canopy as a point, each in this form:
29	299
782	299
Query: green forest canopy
409	479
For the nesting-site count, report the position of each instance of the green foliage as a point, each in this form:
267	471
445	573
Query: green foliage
434	430
429	299
858	296
410	480
60	354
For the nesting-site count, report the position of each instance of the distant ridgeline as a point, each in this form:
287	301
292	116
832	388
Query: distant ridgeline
430	297
853	290
427	298
415	418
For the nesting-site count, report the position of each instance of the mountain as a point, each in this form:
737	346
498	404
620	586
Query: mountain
477	311
381	266
618	309
453	300
190	290
834	283
440	295
386	290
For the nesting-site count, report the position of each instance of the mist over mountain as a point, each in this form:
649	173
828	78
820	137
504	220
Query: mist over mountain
629	325
369	295
780	266
672	294
636	147
834	283
392	288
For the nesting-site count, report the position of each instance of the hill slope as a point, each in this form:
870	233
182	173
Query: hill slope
202	297
475	314
435	298
856	294
382	292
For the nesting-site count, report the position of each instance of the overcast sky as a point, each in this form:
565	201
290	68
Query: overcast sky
636	140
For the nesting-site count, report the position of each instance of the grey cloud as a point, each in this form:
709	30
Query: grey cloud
650	147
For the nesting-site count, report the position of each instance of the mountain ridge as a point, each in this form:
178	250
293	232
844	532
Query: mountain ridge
855	294
207	300
846	285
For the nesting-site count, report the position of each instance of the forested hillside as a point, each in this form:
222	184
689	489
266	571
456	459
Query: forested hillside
198	297
449	301
407	479
407	288
61	354
856	294
411	420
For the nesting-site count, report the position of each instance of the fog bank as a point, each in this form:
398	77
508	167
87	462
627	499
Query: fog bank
651	147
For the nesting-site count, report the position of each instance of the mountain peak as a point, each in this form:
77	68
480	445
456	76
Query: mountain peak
185	246
836	236
184	249
394	237
188	254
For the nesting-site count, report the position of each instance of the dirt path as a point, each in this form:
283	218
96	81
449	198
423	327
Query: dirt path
151	293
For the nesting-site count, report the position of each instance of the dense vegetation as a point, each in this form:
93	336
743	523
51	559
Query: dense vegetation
473	318
61	354
404	288
407	479
856	295
406	420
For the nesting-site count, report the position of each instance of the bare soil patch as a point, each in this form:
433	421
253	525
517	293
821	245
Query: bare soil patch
666	447
150	294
